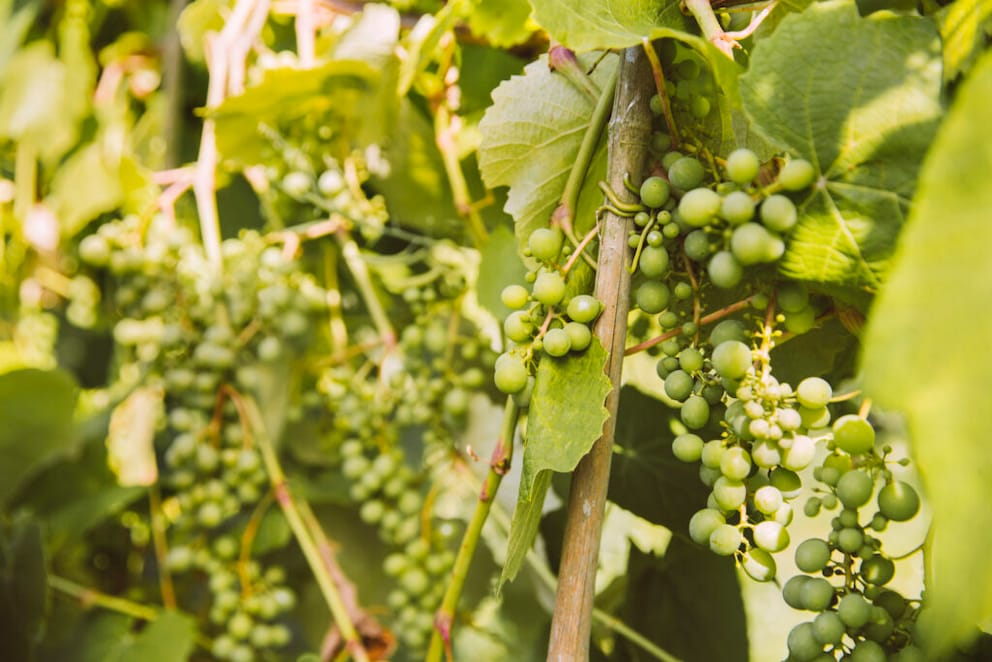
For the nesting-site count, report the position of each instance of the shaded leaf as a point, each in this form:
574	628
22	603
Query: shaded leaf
965	27
23	589
500	267
503	22
925	350
859	98
566	414
36	408
815	353
688	602
645	477
169	638
524	526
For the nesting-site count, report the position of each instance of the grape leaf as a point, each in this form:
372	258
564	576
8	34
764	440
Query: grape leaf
503	22
36	409
645	478
859	98
500	267
531	136
964	27
601	24
689	602
924	349
566	414
815	353
169	638
372	37
524	526
23	588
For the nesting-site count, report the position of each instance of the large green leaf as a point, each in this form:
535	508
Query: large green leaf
36	409
965	27
500	267
566	414
859	98
524	526
645	478
503	22
600	24
23	589
926	354
169	638
531	136
688	602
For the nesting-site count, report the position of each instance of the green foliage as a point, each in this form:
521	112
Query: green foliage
923	361
965	27
23	591
865	146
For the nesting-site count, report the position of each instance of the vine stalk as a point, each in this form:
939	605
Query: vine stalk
629	136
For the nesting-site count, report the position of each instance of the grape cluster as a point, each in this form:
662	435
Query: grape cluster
689	83
204	334
543	320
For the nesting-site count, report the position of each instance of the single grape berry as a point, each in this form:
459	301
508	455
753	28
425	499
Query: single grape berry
655	192
759	565
828	628
549	288
853	434
771	536
898	501
802	643
653	296
742	166
812	555
514	297
737	207
653	261
584	308
817	594
724	270
796	175
699	207
678	385
725	539
732	359
510	374
517	326
695	412
579	335
854	488
792	297
687	447
545	243
751	243
814	392
696	247
703	523
557	342
877	570
735	463
686	173
778	213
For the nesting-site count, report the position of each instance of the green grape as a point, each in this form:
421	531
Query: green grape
655	192
854	610
699	207
703	523
729	494
579	336
867	650
854	488
767	499
455	402
655	239
850	540
787	482
880	627
910	653
802	643
690	359
514	297
766	454
700	106
853	434
687	447
517	326
683	291
297	184
653	296
742	166
792	297
732	359
814	393
670	158
712	453
792	591
728	330
414	581
735	463
724	270
678	385
697	248
653	261
657	108
816	594
812	555
778	213
800	322
372	511
695	412
898	501
759	565
796	175
686	173
771	536
660	142
737	207
584	308
828	628
752	244
545	243
891	602
725	539
549	288
688	69
814	418
557	342
510	374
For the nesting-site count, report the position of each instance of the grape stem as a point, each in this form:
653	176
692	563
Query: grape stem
715	316
659	85
580	250
158	526
498	466
248	411
629	136
363	281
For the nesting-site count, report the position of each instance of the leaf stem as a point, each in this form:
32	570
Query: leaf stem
248	409
161	547
658	73
498	466
360	272
629	135
90	596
